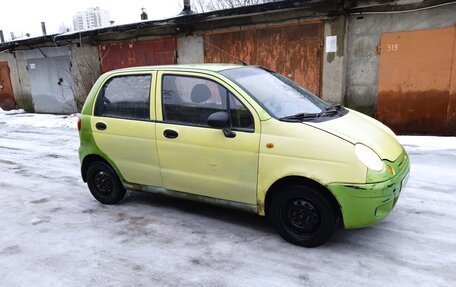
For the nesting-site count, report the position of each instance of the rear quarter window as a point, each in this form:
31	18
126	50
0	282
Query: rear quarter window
125	97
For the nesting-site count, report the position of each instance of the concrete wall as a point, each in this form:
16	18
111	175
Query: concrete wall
19	80
86	68
363	37
334	63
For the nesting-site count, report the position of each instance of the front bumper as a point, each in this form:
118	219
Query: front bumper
365	204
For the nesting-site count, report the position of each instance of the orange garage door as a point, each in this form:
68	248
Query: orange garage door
417	82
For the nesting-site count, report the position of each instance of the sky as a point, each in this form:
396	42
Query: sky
23	17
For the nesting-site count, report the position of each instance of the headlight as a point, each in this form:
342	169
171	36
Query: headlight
368	157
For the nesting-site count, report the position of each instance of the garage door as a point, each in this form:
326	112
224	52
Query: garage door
292	50
6	89
417	82
51	84
138	53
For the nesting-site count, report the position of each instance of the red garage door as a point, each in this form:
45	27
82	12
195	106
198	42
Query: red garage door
6	90
138	53
292	50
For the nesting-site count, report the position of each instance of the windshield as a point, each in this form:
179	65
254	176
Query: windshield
280	96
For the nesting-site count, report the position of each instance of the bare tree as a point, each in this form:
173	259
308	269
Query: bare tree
64	28
80	77
201	6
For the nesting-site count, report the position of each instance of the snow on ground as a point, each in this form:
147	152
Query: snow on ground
40	120
53	233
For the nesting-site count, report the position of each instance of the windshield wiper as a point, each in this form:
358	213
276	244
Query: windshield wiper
300	117
330	110
337	107
333	108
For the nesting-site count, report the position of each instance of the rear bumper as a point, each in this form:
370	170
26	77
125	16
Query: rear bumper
365	204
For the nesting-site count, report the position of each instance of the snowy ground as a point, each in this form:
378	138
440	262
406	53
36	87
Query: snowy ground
53	233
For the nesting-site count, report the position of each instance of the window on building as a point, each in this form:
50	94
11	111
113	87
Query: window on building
191	100
125	97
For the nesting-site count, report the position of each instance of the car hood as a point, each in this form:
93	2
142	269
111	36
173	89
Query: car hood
359	128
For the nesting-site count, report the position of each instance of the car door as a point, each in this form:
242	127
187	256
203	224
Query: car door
196	158
123	126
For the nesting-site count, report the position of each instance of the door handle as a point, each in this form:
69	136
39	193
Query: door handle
171	134
100	126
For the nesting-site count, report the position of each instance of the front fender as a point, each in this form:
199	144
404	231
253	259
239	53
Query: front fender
304	151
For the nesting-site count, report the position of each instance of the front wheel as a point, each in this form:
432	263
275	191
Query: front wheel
302	215
104	184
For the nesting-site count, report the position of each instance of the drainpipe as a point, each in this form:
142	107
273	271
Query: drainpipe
187	8
43	28
143	14
2	39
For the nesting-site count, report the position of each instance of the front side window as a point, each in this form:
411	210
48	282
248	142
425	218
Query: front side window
240	117
125	97
191	100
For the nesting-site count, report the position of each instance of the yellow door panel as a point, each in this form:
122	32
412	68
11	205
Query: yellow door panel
132	146
201	160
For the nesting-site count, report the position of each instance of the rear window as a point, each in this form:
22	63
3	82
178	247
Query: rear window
126	97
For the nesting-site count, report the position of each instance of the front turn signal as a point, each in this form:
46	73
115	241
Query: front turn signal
390	169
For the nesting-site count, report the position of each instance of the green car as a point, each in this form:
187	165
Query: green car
242	137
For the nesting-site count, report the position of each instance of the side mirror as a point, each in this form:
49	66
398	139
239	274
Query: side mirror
221	120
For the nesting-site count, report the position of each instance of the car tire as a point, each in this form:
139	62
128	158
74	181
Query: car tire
302	215
104	184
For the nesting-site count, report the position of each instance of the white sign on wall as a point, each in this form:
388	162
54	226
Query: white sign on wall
32	66
331	44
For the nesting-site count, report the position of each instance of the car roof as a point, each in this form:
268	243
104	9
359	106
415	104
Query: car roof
186	67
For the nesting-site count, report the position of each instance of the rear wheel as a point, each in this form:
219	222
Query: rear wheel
302	215
104	184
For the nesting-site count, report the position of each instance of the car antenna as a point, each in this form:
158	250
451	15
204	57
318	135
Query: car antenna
220	49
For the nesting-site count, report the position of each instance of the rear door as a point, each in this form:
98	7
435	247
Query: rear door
124	129
196	158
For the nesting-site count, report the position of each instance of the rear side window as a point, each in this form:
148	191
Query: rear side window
125	97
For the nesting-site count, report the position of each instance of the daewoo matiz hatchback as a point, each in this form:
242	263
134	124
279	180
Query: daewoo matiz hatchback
243	137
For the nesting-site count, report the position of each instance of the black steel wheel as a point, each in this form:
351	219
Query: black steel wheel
302	215
104	184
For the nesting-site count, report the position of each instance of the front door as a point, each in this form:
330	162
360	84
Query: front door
196	158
